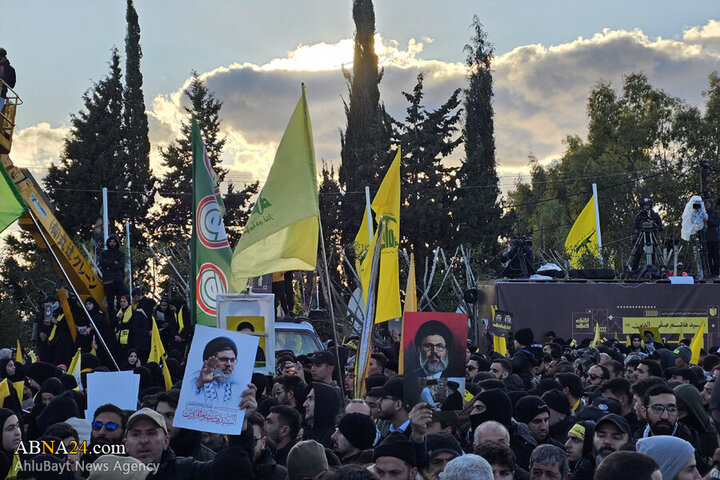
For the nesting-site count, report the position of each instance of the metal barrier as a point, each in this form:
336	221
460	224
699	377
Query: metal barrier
7	117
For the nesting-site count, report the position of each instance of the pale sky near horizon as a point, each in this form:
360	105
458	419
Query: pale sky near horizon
549	54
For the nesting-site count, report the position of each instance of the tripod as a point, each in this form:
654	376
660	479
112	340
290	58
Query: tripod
645	244
519	265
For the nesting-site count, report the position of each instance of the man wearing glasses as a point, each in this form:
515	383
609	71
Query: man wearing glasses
434	346
661	412
215	383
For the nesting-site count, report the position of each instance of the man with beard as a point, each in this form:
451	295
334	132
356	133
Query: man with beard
661	411
611	433
108	428
215	383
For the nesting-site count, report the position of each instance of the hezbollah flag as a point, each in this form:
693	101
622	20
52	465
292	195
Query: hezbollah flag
210	252
157	349
12	204
582	237
386	206
282	231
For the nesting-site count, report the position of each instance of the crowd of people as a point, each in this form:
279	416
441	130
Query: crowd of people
547	410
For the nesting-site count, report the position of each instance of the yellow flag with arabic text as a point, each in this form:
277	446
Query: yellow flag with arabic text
582	237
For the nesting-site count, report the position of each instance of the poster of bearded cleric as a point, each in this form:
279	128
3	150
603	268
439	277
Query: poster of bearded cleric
434	369
219	368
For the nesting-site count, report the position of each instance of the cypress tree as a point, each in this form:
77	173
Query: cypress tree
476	212
365	144
93	157
138	175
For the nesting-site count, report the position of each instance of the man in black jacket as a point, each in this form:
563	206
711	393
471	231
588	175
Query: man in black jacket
111	262
147	440
7	73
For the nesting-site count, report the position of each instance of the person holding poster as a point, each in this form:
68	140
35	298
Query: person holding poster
434	355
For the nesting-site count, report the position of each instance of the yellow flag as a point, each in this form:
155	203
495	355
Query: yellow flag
582	237
627	341
166	373
596	338
4	391
500	345
19	353
75	368
20	389
410	306
282	231
386	206
697	344
157	349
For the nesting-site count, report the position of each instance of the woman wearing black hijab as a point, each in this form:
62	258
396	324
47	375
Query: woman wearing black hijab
50	388
9	440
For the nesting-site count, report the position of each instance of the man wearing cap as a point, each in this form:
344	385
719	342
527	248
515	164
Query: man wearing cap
215	383
323	371
683	355
612	432
392	406
353	439
147	439
442	448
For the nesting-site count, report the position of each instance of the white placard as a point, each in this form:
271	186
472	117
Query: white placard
254	310
119	388
215	405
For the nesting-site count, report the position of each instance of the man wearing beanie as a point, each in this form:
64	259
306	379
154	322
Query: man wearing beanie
353	439
524	360
683	355
675	456
306	460
561	416
533	412
442	448
395	457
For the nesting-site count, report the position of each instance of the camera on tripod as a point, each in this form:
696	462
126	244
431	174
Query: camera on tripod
521	241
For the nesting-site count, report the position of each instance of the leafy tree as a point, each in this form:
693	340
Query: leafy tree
140	179
427	138
93	157
476	212
365	144
634	149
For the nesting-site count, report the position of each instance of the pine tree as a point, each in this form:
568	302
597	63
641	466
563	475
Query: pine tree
138	175
173	225
427	138
476	212
365	144
93	157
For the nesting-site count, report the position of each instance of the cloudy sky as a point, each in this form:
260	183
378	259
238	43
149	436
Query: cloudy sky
255	54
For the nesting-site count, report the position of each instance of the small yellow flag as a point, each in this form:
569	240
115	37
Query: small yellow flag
410	306
500	345
596	338
4	391
75	368
19	353
157	349
166	373
697	344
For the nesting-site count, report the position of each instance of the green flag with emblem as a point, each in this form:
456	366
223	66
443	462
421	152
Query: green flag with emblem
210	252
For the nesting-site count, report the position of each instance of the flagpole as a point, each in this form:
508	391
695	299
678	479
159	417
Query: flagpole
597	222
129	258
341	373
368	211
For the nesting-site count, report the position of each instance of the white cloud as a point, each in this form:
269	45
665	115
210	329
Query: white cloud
540	94
37	146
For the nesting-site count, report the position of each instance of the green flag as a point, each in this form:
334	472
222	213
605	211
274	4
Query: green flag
282	231
210	253
12	204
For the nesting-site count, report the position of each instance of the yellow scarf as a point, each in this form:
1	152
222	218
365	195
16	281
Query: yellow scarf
14	468
181	325
54	329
